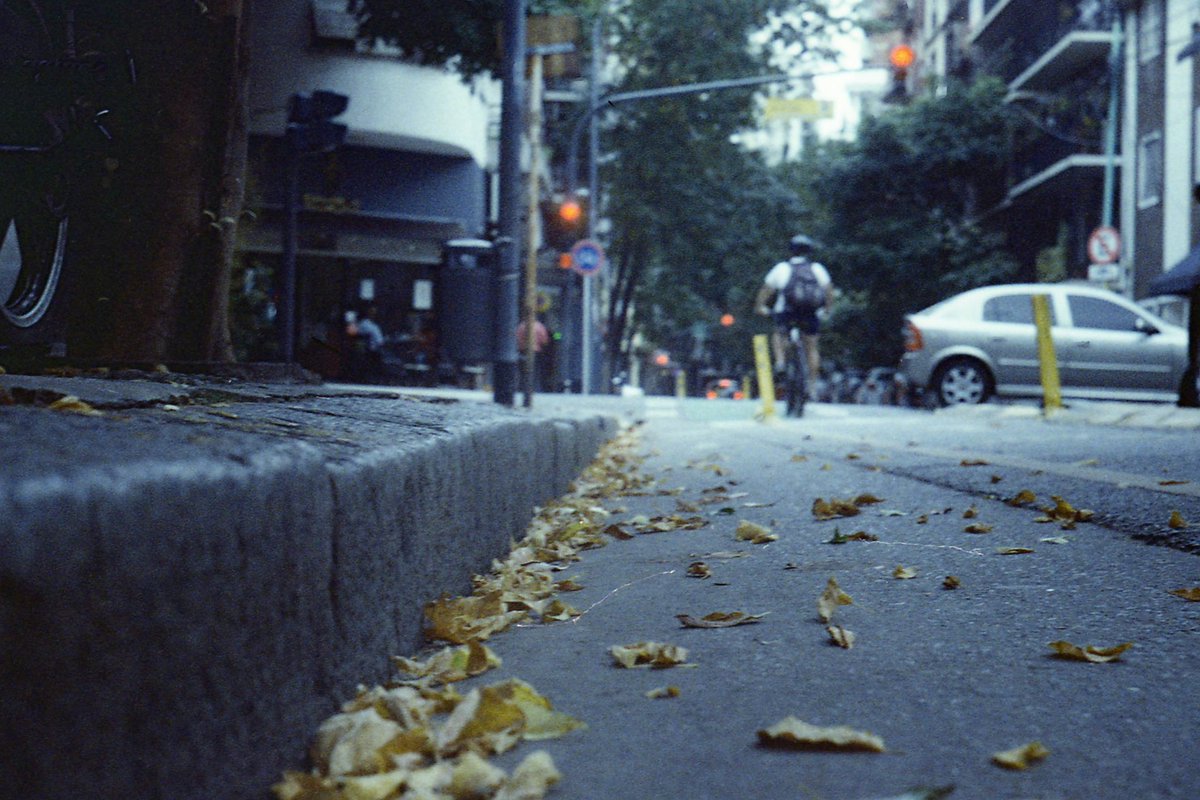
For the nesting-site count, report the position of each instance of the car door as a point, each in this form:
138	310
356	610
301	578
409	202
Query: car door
1009	337
1111	346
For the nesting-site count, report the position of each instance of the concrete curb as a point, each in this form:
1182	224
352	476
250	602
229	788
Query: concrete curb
176	619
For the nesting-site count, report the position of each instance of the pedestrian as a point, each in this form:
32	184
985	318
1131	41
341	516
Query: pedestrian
784	282
541	338
372	339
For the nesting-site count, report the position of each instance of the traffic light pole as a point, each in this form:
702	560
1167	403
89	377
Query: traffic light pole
504	343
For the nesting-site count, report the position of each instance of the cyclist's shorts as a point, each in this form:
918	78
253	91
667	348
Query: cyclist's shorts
808	323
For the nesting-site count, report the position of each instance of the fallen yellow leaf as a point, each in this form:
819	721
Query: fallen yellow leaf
1177	522
973	462
698	569
904	573
754	533
830	599
1021	498
74	405
663	692
1012	551
532	778
979	527
558	611
1091	653
459	620
1020	757
648	654
840	636
831	509
971	513
451	664
1192	594
795	733
951	582
719	619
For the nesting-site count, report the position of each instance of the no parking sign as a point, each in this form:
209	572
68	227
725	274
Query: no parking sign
587	257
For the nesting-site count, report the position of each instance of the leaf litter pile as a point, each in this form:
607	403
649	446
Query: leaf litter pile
419	738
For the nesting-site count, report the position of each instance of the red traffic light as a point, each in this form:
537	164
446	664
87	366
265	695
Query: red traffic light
902	56
570	211
727	320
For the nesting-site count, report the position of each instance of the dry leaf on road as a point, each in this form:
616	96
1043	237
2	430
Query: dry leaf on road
1192	594
951	582
719	619
840	636
663	693
1012	551
1022	498
1177	522
830	599
904	573
1091	653
978	527
1020	757
698	569
795	733
648	654
754	533
451	664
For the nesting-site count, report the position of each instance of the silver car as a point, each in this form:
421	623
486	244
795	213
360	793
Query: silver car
984	342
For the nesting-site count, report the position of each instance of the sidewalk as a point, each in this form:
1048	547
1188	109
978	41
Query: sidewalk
1091	412
194	571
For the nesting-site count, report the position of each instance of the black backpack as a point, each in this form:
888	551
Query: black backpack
803	291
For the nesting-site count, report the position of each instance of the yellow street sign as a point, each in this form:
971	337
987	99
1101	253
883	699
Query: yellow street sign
797	108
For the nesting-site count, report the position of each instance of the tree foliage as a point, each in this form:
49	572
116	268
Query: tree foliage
463	34
899	212
697	220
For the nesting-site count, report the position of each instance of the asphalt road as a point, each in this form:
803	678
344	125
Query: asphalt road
946	677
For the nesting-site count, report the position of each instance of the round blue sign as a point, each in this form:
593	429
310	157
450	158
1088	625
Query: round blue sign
587	257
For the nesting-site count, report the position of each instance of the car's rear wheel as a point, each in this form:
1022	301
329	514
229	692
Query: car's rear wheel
962	381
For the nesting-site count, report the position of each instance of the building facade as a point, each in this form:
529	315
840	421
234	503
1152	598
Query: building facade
1065	62
416	170
1161	127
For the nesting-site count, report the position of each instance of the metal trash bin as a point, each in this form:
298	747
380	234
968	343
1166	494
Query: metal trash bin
466	300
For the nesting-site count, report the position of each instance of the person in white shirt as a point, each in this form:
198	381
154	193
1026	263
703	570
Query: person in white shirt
786	315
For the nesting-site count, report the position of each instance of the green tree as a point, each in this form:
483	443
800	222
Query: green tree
899	212
697	220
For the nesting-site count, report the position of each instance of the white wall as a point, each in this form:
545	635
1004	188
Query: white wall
1177	135
392	105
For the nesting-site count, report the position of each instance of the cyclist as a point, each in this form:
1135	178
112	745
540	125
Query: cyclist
781	281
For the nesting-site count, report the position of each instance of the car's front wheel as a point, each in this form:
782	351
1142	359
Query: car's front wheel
961	381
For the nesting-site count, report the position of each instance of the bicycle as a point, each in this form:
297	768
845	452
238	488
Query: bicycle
55	96
795	378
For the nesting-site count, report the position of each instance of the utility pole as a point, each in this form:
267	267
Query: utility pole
504	358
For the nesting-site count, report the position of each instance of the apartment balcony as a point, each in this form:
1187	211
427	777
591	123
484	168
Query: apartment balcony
1037	45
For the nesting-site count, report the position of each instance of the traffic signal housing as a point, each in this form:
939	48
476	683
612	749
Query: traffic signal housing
310	121
564	222
901	58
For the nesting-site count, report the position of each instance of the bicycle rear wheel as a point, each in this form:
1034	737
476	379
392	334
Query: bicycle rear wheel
796	387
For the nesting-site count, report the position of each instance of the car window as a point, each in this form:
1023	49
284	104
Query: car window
1012	308
1096	312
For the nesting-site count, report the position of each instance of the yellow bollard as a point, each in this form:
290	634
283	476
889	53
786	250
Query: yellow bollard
766	380
1051	386
745	387
681	384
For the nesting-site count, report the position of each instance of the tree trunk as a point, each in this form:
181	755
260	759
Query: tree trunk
157	250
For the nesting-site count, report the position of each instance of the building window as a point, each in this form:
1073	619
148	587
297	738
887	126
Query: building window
1150	30
1150	169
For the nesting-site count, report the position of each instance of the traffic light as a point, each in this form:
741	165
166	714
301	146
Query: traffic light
900	58
309	121
564	221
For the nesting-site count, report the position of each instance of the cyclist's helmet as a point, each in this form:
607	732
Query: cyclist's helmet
802	245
